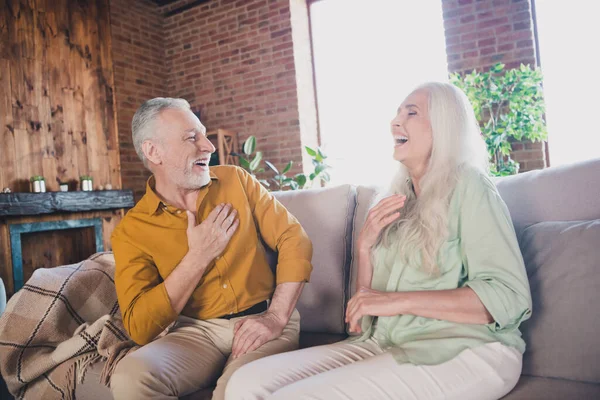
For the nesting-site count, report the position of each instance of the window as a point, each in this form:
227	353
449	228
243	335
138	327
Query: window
569	58
368	55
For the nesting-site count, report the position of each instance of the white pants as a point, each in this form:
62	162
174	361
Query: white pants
364	371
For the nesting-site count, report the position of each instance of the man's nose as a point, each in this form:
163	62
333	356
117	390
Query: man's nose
206	145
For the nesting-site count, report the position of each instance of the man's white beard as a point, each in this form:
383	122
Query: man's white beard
203	180
192	181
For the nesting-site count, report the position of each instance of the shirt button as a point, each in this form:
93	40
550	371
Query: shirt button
231	313
224	286
178	211
217	257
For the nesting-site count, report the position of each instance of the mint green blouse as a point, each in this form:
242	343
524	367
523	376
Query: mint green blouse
482	253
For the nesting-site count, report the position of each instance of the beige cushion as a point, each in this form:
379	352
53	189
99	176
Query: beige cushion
566	193
533	388
365	197
563	265
326	215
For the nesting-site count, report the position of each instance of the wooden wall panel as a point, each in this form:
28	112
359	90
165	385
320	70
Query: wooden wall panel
57	109
56	92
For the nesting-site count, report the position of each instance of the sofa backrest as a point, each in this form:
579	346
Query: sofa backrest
566	193
556	213
326	215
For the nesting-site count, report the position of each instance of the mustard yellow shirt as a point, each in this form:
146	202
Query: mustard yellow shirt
151	241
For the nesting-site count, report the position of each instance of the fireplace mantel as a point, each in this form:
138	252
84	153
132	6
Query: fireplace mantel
22	204
43	230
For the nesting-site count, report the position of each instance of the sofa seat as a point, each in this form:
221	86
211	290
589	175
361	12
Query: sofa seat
536	388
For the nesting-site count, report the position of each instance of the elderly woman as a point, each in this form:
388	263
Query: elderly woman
442	286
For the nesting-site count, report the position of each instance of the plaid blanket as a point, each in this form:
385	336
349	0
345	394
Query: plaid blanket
60	322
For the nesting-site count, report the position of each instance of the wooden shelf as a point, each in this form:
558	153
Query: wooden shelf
20	204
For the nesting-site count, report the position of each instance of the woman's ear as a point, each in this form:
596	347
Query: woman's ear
152	152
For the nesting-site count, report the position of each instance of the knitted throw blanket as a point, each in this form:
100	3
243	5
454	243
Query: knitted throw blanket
60	322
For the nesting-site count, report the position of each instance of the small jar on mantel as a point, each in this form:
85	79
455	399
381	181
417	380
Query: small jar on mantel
38	184
87	184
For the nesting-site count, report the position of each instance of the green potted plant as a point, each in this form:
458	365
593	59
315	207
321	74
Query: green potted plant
509	106
250	161
280	179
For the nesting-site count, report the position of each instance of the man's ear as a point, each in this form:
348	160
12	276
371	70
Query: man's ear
152	152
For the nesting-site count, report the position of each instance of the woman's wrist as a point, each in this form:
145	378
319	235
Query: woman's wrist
363	249
400	300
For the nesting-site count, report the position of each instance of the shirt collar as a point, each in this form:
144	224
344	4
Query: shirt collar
152	199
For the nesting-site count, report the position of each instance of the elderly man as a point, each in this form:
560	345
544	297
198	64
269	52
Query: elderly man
189	258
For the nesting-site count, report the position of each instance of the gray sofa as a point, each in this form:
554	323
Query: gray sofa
556	213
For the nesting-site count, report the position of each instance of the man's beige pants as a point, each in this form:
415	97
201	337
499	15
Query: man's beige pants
193	355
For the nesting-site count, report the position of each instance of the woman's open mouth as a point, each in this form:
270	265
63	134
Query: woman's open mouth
400	140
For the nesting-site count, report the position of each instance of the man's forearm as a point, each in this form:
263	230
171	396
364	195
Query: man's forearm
182	282
284	300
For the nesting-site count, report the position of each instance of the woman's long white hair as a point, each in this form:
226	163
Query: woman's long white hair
457	143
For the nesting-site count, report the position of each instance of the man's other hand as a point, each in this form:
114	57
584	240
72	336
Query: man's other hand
252	332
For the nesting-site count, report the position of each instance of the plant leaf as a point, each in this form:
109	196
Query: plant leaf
287	167
321	154
256	162
250	145
270	165
310	151
244	163
300	179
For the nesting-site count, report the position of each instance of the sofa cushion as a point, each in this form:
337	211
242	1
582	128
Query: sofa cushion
534	388
311	339
565	193
563	265
365	197
326	215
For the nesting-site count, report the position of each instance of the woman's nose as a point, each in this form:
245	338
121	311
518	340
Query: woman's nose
397	121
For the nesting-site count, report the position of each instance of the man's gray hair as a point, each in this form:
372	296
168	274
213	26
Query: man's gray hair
142	125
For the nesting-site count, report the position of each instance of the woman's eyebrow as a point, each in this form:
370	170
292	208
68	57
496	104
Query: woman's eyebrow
407	106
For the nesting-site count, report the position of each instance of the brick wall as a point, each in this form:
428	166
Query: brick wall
480	33
140	74
234	62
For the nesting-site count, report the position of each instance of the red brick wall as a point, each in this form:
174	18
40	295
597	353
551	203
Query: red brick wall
480	33
140	74
234	61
